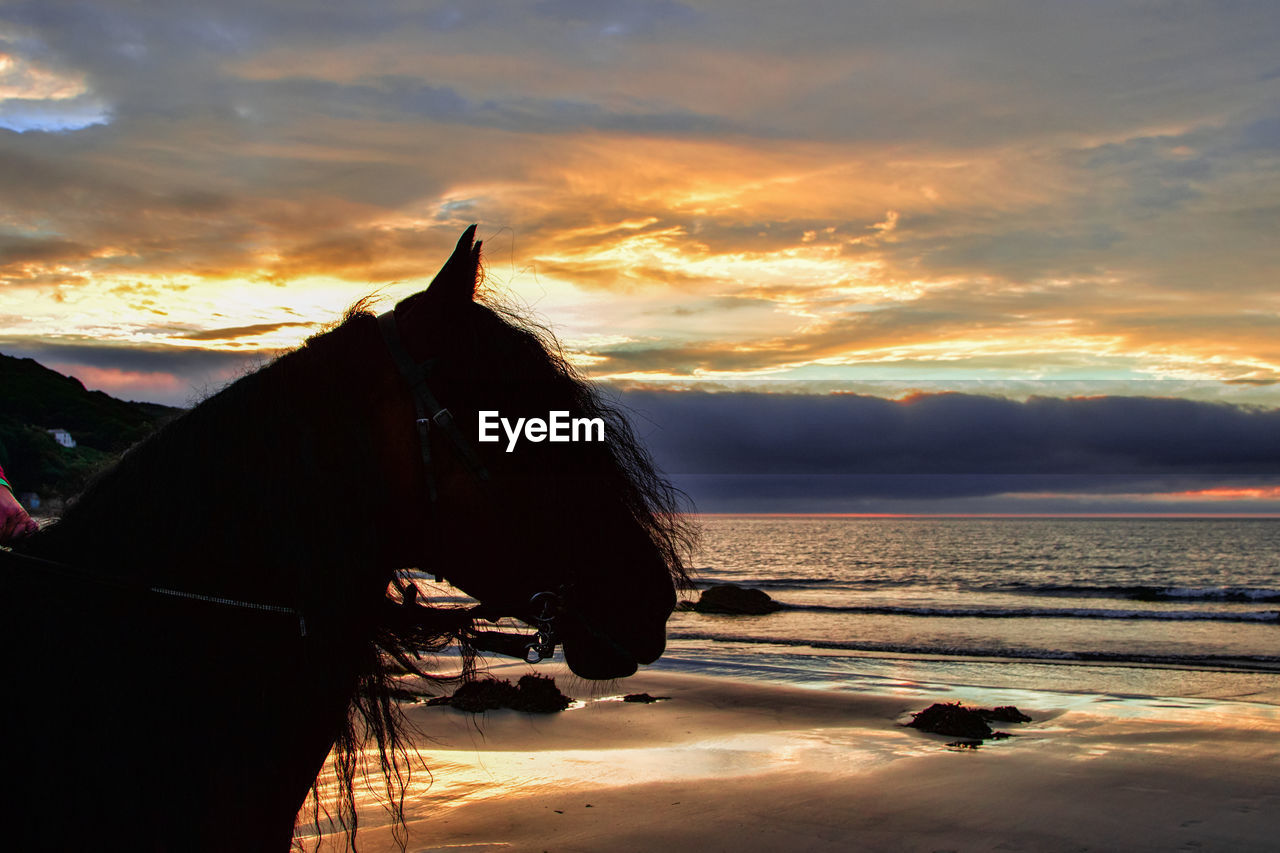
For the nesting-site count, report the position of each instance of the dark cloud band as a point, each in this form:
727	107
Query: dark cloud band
839	452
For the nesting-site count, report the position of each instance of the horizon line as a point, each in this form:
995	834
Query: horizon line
1183	515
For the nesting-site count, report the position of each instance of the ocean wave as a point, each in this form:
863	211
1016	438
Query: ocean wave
1254	663
879	582
1229	594
1244	594
1262	616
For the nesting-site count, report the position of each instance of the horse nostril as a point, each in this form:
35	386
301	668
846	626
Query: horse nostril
642	641
648	650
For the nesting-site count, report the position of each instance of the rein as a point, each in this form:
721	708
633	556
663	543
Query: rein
542	646
82	575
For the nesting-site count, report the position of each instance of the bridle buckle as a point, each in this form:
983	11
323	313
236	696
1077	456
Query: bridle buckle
442	419
549	606
541	648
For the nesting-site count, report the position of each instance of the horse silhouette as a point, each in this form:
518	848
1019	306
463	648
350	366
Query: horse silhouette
218	612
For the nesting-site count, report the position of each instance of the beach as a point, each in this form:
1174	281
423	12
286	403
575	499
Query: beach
740	764
1143	651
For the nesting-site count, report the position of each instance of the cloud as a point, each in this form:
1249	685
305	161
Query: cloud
39	98
176	376
954	495
125	384
240	331
1082	187
956	433
776	452
621	17
15	249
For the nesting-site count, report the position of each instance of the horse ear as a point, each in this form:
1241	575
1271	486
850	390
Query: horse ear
456	281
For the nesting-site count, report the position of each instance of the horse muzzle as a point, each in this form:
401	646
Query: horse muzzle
600	642
613	645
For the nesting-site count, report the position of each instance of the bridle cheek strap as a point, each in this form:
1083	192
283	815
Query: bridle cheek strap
427	409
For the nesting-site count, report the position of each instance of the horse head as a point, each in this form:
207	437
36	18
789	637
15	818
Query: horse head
209	560
589	521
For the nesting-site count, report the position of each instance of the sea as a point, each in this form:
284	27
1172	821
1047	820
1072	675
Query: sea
1127	607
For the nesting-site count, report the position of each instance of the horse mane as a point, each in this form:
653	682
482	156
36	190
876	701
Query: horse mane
532	359
174	507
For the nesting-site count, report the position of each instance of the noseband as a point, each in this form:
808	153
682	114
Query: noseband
543	608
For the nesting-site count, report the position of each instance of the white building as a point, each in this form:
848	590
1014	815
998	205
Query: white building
62	437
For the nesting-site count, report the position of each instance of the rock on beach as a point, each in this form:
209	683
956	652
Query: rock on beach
735	600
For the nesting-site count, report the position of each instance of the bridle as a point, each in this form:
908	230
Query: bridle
427	409
543	609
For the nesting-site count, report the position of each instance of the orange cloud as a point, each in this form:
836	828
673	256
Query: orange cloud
121	383
713	192
1261	493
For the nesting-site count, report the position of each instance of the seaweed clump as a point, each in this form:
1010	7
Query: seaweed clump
956	720
644	698
534	694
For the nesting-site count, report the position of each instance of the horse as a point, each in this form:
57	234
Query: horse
225	607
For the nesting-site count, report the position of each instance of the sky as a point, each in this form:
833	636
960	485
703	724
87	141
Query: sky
730	210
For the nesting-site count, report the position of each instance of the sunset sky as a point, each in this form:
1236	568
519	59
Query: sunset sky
1010	200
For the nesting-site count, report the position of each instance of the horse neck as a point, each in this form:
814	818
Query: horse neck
239	486
230	500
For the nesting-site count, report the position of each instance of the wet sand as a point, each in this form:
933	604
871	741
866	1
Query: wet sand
736	766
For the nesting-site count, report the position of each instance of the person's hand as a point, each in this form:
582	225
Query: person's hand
14	521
